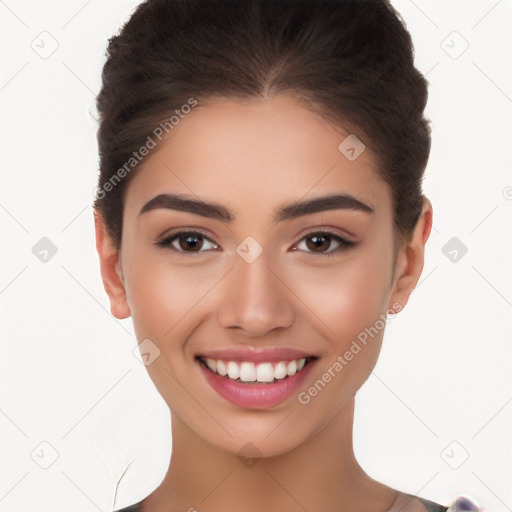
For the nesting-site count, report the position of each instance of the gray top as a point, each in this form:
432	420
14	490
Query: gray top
430	506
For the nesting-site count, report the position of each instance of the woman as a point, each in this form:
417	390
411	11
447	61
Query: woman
260	217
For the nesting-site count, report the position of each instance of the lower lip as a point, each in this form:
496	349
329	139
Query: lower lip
256	396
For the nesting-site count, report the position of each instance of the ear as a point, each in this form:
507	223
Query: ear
410	260
110	268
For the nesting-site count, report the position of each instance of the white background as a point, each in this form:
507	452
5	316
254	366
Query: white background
440	396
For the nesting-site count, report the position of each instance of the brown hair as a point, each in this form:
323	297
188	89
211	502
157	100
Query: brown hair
352	61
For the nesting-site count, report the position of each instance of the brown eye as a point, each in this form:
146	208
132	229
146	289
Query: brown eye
319	243
187	242
192	242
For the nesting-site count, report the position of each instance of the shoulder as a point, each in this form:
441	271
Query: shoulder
431	506
132	508
404	503
410	503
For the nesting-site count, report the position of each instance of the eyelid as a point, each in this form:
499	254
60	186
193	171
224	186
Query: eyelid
341	233
308	231
185	230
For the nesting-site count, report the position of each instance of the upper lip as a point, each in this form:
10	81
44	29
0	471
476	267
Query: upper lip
256	355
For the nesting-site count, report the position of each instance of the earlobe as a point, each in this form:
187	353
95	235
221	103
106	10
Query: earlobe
110	268
410	260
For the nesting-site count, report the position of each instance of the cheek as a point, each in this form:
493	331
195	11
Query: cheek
348	296
161	294
349	301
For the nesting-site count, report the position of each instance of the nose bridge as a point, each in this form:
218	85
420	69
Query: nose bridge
254	298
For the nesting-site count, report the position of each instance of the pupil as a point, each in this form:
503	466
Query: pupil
191	241
318	241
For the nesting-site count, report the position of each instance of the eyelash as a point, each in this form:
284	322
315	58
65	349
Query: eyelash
167	241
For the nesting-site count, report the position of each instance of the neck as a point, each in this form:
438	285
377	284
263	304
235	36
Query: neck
320	474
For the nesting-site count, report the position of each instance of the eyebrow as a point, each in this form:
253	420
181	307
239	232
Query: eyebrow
286	212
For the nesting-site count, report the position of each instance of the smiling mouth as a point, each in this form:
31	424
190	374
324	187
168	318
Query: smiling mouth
247	372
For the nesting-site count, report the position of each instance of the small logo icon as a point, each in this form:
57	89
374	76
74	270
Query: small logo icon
45	45
455	455
44	455
507	193
249	250
249	455
44	250
454	45
147	350
454	249
351	147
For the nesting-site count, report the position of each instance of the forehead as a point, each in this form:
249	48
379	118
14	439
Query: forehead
255	154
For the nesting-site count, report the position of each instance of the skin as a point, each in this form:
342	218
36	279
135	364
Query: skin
252	157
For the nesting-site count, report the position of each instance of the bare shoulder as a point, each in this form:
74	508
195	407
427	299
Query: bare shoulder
409	503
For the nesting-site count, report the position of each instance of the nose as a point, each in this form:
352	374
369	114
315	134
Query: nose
255	299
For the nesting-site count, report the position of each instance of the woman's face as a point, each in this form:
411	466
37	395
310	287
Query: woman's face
264	287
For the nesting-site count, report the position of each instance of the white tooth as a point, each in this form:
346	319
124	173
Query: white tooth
264	372
292	368
301	364
280	370
211	364
247	372
233	370
221	368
